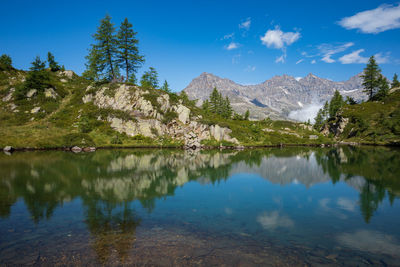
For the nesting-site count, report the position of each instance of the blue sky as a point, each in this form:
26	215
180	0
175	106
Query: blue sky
246	41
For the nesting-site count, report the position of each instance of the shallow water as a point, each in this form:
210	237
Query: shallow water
280	207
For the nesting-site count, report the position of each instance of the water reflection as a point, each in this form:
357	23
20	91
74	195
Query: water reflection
108	182
108	179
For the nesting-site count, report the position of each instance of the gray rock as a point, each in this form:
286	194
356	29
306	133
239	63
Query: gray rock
67	73
9	96
31	93
8	149
89	149
35	110
76	149
50	93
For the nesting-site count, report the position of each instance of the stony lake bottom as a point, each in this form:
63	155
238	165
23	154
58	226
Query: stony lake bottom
278	207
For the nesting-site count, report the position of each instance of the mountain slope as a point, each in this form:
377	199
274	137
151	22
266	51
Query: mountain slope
275	97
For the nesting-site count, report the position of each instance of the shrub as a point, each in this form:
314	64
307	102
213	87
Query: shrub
5	62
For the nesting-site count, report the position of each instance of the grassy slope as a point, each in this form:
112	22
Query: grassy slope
374	122
59	123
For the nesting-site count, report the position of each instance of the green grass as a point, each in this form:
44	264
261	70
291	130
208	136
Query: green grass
374	122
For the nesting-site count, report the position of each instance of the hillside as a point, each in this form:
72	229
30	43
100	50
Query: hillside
74	111
372	122
276	97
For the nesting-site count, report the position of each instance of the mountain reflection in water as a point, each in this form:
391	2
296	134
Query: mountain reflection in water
106	184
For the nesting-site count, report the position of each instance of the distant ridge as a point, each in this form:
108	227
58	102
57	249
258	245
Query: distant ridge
275	97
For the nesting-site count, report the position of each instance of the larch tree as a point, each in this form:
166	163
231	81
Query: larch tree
149	78
128	57
53	65
165	87
370	77
105	48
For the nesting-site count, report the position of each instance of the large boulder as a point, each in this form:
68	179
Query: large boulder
67	73
31	93
183	113
8	149
50	93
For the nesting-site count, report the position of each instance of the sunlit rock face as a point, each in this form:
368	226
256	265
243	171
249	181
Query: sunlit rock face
147	119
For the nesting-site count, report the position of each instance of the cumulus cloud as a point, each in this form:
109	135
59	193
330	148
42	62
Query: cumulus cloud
370	241
346	204
245	24
380	19
313	61
279	39
307	112
273	220
328	50
355	58
232	46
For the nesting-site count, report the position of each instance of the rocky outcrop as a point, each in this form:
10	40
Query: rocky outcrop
147	120
66	73
50	93
335	127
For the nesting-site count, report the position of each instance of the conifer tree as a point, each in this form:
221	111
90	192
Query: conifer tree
325	110
5	62
206	106
335	104
165	87
319	120
227	108
383	88
53	65
38	78
247	115
92	71
214	101
370	77
149	78
105	49
395	82
128	57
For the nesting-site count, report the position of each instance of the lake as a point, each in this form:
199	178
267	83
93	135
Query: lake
278	206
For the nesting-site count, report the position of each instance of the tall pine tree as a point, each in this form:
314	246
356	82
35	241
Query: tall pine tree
370	77
105	48
128	57
335	104
53	65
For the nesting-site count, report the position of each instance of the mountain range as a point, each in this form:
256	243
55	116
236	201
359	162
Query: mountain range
277	97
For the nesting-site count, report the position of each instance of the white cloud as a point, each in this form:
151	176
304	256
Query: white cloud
299	61
313	61
279	39
228	36
353	57
246	24
370	241
381	59
273	220
380	19
346	204
280	59
307	112
232	46
356	58
328	50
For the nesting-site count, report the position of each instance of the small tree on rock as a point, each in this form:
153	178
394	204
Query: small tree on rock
53	65
395	82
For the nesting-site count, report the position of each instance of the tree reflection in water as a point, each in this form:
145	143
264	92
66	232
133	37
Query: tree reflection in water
109	181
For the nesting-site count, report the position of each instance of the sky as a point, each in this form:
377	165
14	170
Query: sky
245	41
